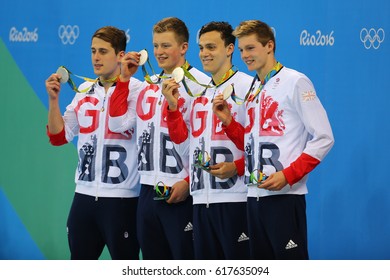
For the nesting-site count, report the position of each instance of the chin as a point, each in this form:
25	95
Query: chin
251	67
164	66
207	68
97	72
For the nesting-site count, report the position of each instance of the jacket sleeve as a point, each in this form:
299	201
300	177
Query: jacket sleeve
122	106
240	165
316	122
57	139
118	100
235	131
299	168
178	131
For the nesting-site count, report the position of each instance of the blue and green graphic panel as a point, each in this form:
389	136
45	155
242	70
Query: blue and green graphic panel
36	179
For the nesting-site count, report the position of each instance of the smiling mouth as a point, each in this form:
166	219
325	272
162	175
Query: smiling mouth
162	58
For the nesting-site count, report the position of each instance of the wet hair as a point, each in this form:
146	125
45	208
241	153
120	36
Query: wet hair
116	37
262	30
175	25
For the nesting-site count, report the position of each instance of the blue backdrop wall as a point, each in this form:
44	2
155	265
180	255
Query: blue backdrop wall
342	46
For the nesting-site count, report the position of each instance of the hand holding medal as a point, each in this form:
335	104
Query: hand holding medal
178	74
170	88
221	107
144	58
65	74
130	63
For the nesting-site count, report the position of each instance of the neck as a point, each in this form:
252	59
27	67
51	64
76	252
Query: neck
220	74
111	77
170	70
261	73
107	82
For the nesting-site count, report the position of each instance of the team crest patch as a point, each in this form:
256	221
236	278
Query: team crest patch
309	95
271	119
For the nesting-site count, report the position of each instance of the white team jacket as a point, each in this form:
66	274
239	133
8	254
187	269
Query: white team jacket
158	158
288	120
107	164
206	134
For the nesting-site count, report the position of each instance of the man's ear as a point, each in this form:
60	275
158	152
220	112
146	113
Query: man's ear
184	48
230	49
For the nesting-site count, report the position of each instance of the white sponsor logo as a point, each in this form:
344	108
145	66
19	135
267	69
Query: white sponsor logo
317	39
68	34
372	38
23	36
291	244
242	237
188	227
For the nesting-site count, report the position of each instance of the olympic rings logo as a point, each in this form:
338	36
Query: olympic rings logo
372	38
68	34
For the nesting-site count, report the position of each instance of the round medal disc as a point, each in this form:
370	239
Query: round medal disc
143	58
178	74
227	92
64	74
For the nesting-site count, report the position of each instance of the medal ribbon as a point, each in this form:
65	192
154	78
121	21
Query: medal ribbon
235	98
146	73
224	78
186	67
249	96
73	86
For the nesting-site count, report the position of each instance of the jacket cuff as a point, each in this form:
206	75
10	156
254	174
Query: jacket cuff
240	165
173	115
56	139
299	168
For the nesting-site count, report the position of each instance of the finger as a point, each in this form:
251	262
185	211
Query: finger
168	88
219	97
172	198
167	83
216	166
133	55
217	102
262	186
53	78
132	62
132	59
213	172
